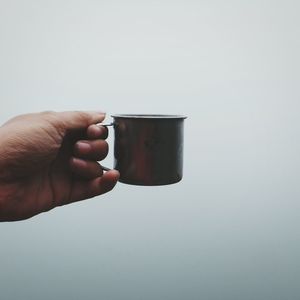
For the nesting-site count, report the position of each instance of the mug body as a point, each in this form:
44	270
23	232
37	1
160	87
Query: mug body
148	149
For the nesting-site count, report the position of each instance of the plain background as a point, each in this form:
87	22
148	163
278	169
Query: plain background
230	229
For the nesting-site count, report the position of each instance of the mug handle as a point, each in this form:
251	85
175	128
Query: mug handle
105	125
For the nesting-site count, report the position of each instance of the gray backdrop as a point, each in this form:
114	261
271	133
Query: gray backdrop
230	229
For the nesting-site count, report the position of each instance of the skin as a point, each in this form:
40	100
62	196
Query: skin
50	159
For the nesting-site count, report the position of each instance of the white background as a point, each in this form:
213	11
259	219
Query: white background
230	229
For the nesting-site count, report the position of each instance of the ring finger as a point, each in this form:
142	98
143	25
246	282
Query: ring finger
91	150
85	168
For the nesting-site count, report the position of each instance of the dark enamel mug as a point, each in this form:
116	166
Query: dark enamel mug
148	149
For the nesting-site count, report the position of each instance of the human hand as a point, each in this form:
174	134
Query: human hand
50	159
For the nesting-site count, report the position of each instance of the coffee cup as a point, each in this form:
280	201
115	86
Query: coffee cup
148	149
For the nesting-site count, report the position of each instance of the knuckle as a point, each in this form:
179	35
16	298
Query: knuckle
82	116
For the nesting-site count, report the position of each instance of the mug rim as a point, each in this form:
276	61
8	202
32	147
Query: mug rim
148	116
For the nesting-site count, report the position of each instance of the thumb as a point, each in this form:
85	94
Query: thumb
74	120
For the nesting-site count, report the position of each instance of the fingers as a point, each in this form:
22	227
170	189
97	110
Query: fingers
85	169
87	152
97	132
75	120
87	189
91	180
92	150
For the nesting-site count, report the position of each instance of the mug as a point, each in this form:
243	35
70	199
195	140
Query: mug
148	149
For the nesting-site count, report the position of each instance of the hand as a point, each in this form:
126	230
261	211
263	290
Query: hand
50	159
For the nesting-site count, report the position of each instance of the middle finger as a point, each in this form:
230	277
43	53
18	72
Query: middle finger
92	150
